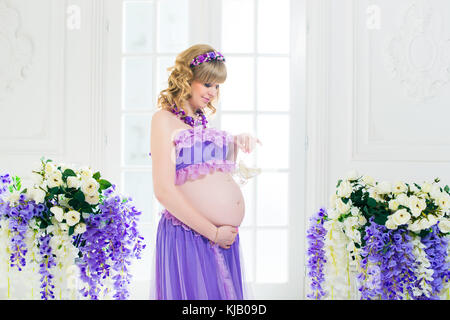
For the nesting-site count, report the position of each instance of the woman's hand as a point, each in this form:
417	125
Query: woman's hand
246	142
226	236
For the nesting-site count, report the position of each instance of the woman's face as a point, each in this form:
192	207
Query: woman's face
202	93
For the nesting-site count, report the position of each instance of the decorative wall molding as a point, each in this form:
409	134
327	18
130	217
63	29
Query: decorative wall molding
366	142
16	50
420	52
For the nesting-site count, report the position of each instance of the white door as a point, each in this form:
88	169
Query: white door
263	42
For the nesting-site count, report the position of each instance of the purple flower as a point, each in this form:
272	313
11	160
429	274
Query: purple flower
316	254
48	262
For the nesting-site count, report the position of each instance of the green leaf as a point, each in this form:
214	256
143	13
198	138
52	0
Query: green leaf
79	195
96	175
447	189
71	230
43	224
104	184
371	202
24	190
338	183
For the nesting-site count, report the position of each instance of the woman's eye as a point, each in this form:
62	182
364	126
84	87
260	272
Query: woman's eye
209	85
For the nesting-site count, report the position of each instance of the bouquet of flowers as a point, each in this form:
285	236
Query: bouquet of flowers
68	224
394	237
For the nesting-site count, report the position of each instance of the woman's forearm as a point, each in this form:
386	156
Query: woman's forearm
232	150
176	203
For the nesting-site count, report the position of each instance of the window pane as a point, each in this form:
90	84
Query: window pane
136	139
163	74
273	26
273	84
273	132
139	185
272	206
138	26
246	242
137	83
237	124
238	89
238	26
271	256
173	25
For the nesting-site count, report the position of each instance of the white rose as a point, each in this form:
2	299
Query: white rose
368	180
350	222
432	220
49	168
80	228
356	236
355	211
89	186
342	207
63	201
72	217
413	188
352	175
401	217
54	179
345	189
390	224
400	187
85	172
444	226
423	224
403	199
393	204
444	200
58	212
435	192
73	182
362	220
384	187
92	199
333	214
426	187
414	226
417	205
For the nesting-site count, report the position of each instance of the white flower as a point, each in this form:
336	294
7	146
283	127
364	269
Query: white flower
36	194
73	182
393	204
432	220
49	168
36	178
416	205
413	188
89	186
63	201
92	199
13	197
351	175
72	217
342	207
403	199
54	179
350	222
85	172
58	212
355	211
426	187
356	236
64	227
345	189
423	224
400	187
414	226
384	187
390	224
435	192
362	220
80	228
444	226
333	214
401	217
368	180
444	200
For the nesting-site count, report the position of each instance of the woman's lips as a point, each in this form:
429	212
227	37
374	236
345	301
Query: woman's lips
206	100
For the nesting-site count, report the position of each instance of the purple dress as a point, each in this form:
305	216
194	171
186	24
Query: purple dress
187	266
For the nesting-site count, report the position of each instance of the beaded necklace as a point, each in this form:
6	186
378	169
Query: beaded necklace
189	120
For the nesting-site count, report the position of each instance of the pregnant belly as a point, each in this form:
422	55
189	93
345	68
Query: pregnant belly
217	196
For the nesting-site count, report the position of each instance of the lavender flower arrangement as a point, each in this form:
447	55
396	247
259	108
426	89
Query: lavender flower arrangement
77	218
316	254
382	223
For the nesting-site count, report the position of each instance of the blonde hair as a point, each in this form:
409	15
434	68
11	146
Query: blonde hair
182	75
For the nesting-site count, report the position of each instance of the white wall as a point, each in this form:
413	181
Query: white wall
378	96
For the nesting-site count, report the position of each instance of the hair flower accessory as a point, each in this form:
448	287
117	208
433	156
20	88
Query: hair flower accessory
212	55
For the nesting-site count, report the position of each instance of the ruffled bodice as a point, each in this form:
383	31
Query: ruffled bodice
200	151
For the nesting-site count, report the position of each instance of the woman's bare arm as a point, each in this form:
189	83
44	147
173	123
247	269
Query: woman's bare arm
163	173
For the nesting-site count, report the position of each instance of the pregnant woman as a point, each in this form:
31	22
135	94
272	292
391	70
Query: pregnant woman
197	245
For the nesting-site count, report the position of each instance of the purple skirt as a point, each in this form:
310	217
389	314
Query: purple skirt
188	267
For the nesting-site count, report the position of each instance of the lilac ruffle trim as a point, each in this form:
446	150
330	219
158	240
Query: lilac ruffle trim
196	170
177	222
187	137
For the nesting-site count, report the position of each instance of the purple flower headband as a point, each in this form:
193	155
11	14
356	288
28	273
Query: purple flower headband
212	55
